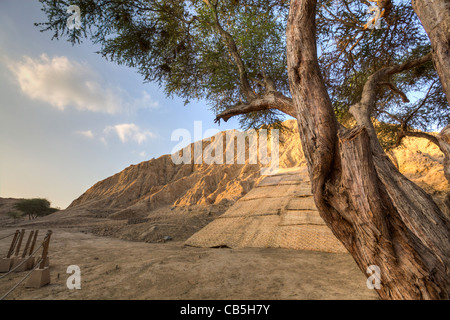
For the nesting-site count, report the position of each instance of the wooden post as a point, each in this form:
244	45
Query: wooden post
45	250
19	244
33	243
24	263
29	261
13	244
41	276
28	244
6	263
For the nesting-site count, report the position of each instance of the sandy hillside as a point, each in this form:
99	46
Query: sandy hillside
153	184
156	183
6	205
155	198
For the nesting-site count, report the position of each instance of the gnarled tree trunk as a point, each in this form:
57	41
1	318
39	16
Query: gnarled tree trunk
444	144
381	217
435	18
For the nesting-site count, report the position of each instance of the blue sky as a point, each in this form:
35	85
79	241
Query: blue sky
69	118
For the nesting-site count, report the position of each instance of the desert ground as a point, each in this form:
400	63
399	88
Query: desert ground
120	269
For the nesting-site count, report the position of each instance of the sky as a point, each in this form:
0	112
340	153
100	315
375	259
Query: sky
69	118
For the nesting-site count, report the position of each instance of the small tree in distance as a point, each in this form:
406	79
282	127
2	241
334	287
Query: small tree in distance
15	215
35	208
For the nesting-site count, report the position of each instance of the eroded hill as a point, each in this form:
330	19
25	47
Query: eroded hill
157	199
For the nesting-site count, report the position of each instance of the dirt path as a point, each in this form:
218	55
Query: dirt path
117	269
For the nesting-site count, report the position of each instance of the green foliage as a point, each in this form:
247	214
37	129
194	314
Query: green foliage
349	55
176	44
387	134
14	214
34	208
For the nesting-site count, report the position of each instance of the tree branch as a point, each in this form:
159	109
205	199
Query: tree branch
409	117
420	134
398	142
444	144
268	81
396	90
442	140
362	110
231	44
393	117
272	100
369	91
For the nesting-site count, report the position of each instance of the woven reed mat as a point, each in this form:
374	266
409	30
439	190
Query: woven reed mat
278	213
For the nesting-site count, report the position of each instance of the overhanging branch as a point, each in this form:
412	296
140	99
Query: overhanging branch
396	90
369	91
272	100
362	110
419	134
246	88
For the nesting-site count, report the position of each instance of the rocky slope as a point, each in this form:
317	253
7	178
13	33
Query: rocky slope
158	183
156	198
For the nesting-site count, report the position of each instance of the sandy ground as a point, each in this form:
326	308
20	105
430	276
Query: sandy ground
119	269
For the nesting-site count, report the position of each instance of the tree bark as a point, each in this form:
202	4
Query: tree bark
435	18
271	100
444	144
381	217
363	110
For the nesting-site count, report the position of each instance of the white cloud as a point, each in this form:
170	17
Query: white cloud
129	132
103	140
145	102
143	154
88	134
63	83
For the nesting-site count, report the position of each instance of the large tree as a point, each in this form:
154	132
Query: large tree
233	54
408	103
380	216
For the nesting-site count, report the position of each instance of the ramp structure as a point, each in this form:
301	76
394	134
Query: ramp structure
277	213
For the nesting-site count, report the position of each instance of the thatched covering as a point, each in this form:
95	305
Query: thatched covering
278	213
